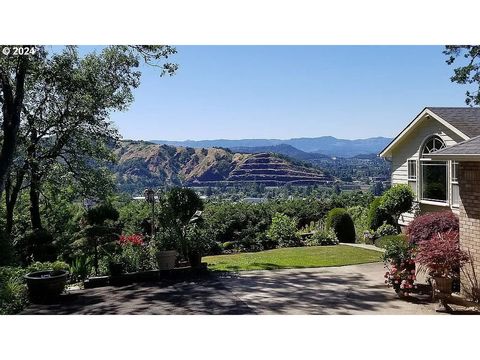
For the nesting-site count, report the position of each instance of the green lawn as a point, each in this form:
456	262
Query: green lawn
293	258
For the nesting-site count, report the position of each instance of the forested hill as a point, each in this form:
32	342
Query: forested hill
142	164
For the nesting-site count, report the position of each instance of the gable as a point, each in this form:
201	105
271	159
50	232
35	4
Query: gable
427	122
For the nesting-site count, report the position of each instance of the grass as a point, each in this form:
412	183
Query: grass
293	258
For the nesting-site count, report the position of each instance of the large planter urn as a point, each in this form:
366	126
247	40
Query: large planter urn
46	284
166	259
444	285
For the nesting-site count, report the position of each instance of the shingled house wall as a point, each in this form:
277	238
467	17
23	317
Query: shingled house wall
469	184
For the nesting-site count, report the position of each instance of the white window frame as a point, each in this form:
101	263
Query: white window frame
454	181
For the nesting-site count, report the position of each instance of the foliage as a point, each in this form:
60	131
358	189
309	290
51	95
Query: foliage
400	265
36	245
13	292
397	200
441	254
469	71
384	241
424	227
359	216
283	231
80	268
377	215
322	238
177	209
340	221
101	213
386	229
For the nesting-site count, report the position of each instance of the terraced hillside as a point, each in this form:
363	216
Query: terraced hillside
142	164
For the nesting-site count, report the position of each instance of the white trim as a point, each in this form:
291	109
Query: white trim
436	203
414	123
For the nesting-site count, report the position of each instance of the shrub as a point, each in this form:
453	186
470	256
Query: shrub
424	227
283	231
321	238
442	255
386	229
377	215
228	245
101	213
13	291
400	265
36	245
384	241
397	200
341	223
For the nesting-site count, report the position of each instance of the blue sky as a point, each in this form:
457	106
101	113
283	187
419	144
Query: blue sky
282	92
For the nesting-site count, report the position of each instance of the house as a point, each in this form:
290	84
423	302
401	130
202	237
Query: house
438	155
434	181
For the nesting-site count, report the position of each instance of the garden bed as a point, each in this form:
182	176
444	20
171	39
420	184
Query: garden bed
178	273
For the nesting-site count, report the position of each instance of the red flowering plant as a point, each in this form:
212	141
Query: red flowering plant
441	255
135	239
400	265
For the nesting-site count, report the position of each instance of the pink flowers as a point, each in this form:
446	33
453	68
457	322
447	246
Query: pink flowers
135	239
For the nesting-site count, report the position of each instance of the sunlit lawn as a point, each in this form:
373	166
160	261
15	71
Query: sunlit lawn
293	258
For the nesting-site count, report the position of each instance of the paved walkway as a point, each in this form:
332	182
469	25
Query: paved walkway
357	289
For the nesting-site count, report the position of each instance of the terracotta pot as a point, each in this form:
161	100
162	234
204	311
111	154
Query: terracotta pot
444	285
166	259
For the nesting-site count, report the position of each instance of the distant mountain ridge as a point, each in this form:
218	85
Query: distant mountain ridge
327	145
142	164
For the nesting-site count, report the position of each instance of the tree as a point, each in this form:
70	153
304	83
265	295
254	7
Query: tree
66	107
397	200
467	73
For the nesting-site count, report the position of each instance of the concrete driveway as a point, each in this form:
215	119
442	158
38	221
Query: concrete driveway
356	289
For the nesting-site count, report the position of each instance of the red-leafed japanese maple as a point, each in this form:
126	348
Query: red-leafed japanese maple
425	227
442	255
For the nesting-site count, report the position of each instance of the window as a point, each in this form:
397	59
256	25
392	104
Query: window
412	169
455	189
434	174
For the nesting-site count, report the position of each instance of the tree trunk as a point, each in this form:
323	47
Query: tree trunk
11	198
11	109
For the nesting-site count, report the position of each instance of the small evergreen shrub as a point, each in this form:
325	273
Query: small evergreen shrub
377	215
228	245
340	221
322	238
386	229
426	226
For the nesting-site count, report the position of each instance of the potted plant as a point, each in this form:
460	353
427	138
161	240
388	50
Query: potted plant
46	284
443	259
166	253
400	266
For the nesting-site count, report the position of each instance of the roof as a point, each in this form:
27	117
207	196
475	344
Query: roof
464	121
465	150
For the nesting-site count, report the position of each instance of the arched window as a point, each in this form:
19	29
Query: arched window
434	173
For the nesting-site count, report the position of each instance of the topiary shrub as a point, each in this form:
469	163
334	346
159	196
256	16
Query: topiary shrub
424	227
36	245
397	200
377	215
340	221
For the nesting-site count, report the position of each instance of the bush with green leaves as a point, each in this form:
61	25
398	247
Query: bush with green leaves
386	229
377	215
384	241
283	231
13	291
340	221
397	200
322	238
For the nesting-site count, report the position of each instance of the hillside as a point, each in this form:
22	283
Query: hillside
142	164
282	149
327	145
